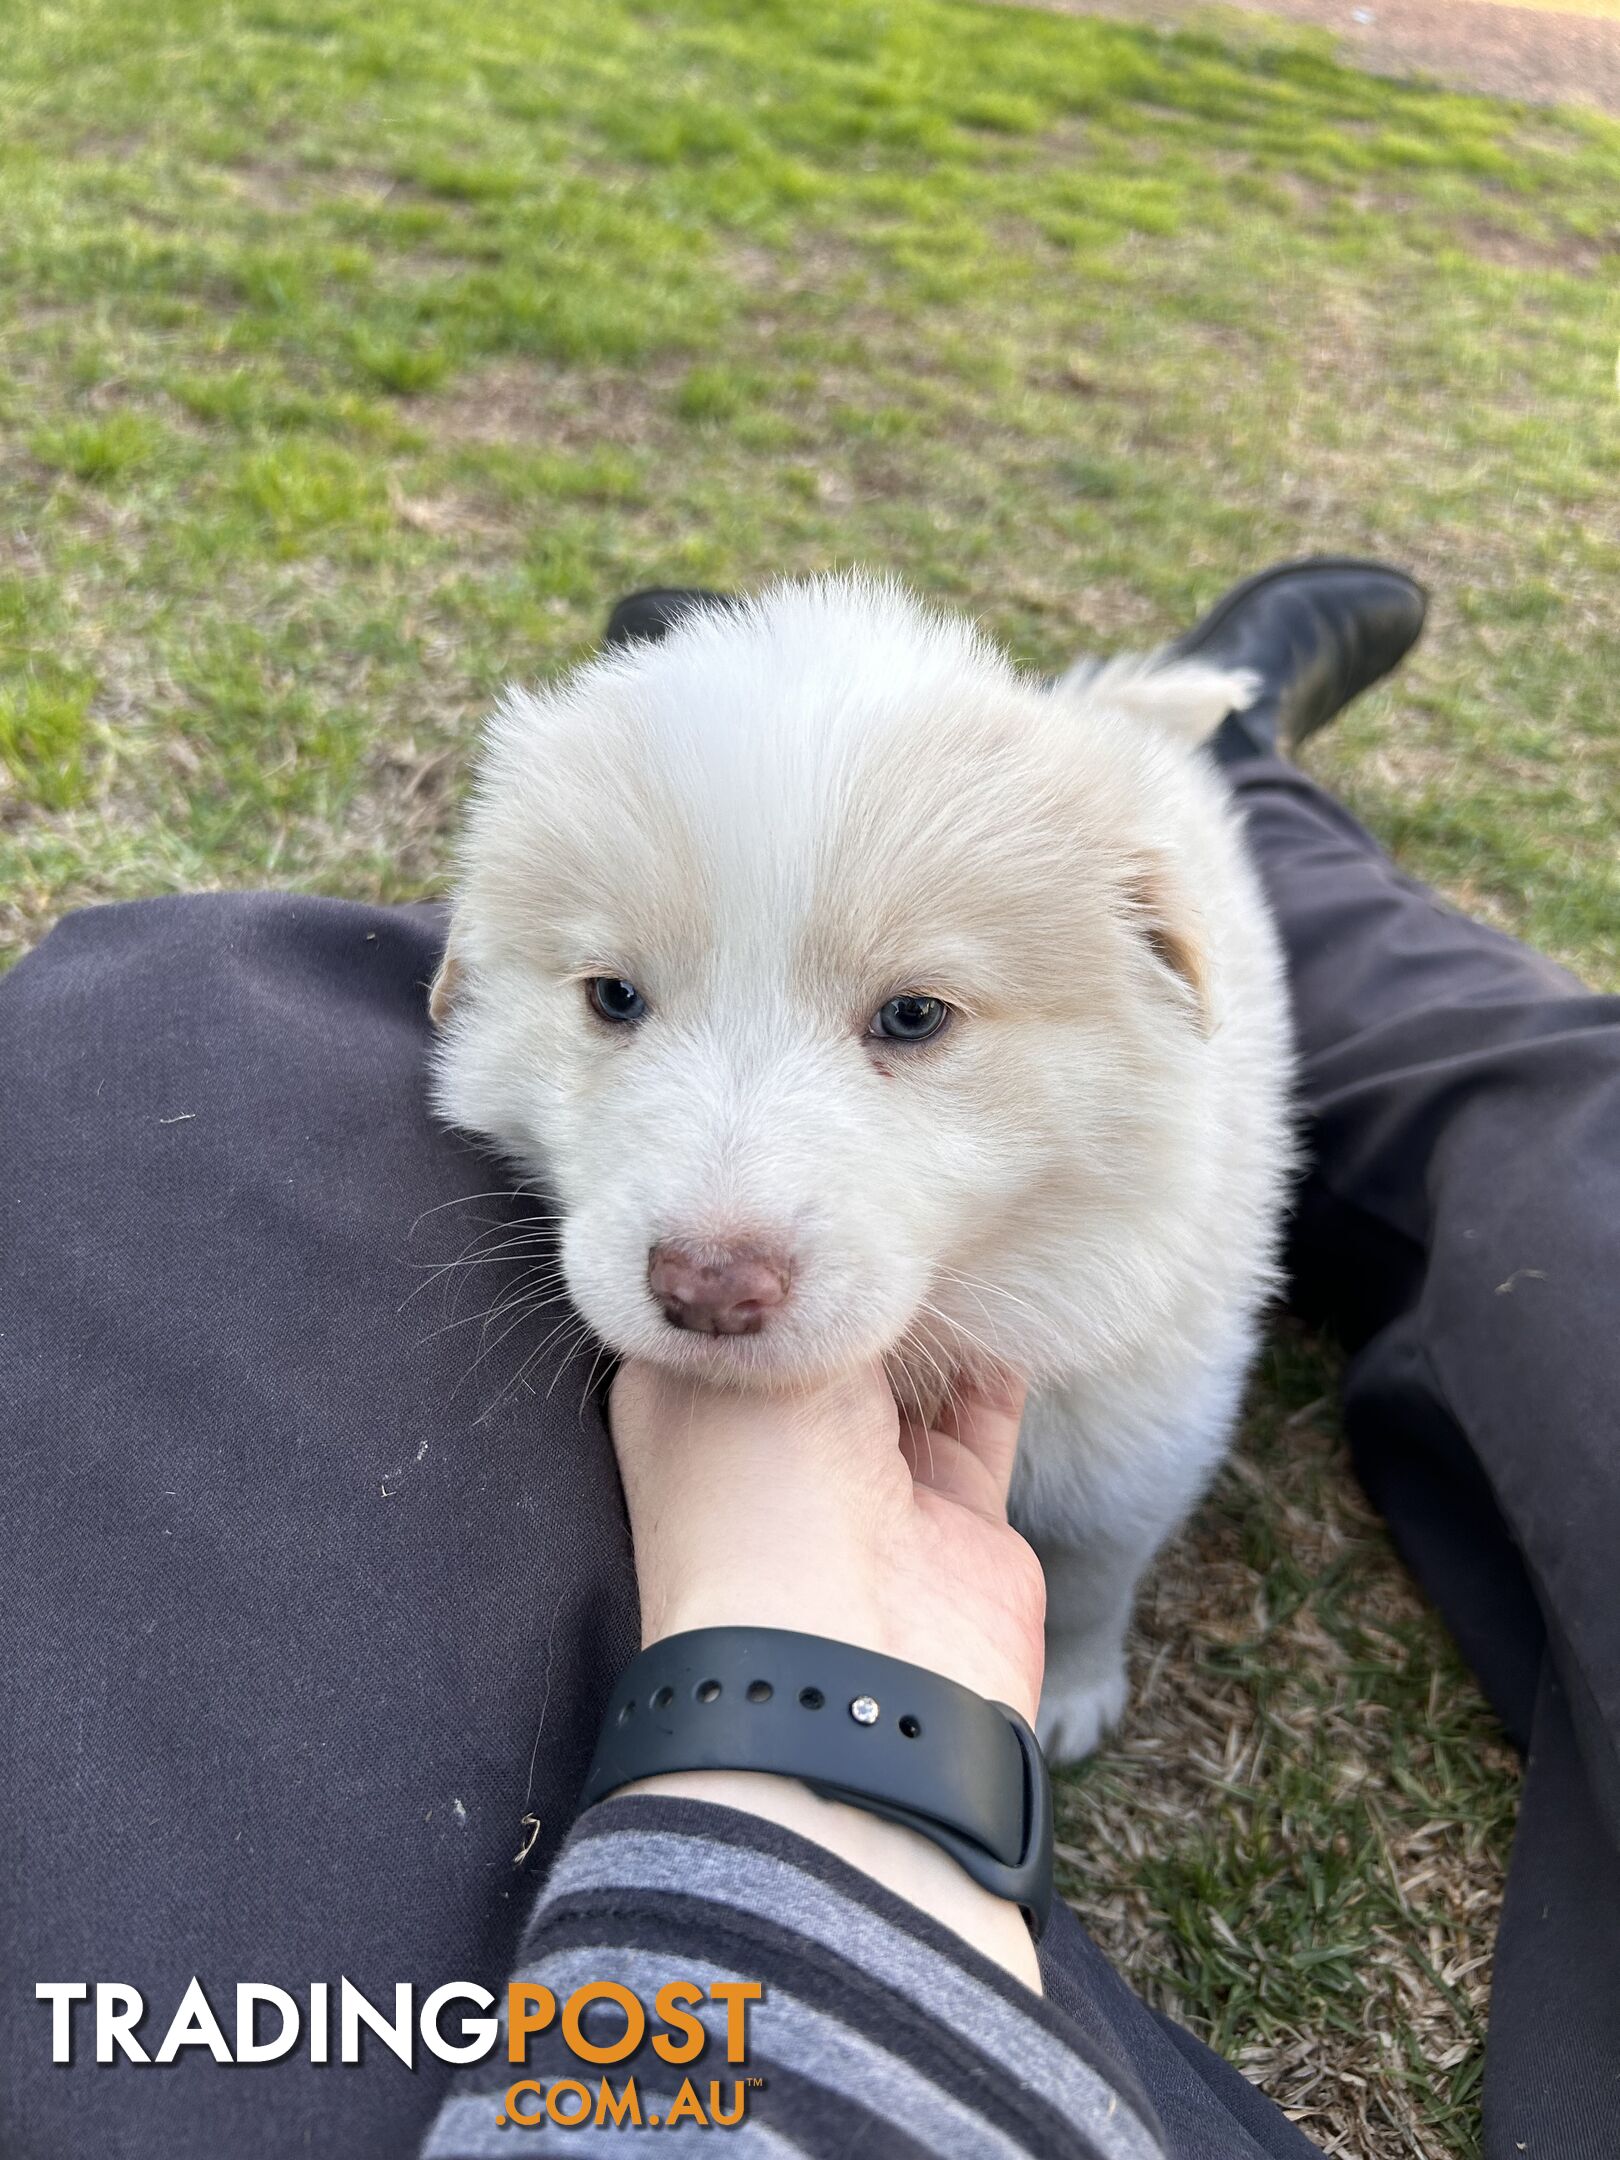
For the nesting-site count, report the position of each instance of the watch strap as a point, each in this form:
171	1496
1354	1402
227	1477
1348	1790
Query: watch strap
873	1731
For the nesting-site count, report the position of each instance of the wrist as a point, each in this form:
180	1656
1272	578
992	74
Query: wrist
975	1660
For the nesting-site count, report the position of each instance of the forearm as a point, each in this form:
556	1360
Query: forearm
875	2028
898	1858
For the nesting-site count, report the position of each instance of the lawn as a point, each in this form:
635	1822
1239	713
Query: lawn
355	355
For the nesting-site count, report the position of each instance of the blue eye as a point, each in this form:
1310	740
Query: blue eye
910	1019
615	999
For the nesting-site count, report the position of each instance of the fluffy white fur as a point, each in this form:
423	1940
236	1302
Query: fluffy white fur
773	822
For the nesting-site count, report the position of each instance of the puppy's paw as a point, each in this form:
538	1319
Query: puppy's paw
1082	1699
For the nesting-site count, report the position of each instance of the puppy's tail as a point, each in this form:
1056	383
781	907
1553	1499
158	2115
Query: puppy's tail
1185	699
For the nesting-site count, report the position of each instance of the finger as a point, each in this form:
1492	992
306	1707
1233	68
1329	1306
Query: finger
982	1418
943	1465
677	1428
943	1469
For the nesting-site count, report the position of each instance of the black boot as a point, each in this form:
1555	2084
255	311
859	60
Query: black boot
1317	633
652	614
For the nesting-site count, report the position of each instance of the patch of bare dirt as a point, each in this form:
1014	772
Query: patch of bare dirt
545	407
1511	248
1541	57
283	184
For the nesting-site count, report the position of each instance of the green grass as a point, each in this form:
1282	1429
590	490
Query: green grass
355	355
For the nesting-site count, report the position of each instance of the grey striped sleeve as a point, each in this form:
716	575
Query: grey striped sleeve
876	2030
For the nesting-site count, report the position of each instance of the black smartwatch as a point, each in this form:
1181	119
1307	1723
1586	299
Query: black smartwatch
889	1737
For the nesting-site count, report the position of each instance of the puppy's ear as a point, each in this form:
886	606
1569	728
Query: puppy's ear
1168	923
446	984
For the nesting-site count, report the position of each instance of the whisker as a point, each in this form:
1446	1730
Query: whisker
526	1287
977	1283
564	1358
493	1312
524	1187
487	1349
590	1377
960	1329
576	1343
535	1272
515	1237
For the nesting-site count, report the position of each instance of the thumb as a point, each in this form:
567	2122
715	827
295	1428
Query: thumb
983	1417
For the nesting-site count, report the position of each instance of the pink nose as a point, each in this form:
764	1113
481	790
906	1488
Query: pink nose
721	1293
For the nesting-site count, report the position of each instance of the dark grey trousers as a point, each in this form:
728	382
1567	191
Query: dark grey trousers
310	1596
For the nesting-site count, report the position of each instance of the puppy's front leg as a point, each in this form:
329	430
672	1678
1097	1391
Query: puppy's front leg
1090	1589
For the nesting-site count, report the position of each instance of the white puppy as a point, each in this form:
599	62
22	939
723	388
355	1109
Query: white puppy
856	995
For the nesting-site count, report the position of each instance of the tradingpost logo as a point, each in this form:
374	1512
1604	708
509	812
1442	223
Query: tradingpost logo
270	2024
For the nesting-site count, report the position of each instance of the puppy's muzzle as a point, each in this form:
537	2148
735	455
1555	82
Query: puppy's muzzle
727	1293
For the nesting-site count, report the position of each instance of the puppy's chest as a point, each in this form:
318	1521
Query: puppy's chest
1118	1454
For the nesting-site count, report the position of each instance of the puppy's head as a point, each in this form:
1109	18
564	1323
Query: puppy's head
837	980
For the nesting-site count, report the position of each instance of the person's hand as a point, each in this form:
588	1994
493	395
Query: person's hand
821	1512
